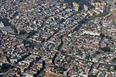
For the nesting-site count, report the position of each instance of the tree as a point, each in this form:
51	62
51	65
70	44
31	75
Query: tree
28	44
106	49
5	21
14	29
4	68
22	32
92	76
62	20
0	31
15	14
115	67
97	52
31	33
18	69
61	69
87	57
102	35
114	59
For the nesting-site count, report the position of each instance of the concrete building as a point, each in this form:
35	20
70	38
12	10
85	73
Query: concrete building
5	29
85	7
91	33
1	24
76	6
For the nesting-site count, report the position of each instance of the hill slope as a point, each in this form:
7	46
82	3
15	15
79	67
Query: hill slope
80	2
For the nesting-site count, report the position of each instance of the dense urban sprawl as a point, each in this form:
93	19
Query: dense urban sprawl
40	38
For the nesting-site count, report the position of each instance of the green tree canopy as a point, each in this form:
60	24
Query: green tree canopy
106	49
22	32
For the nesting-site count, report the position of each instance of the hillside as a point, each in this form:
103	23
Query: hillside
81	3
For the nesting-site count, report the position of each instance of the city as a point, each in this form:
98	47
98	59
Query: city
57	38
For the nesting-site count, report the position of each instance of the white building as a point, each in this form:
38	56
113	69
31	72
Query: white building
27	75
91	33
1	24
85	7
5	29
